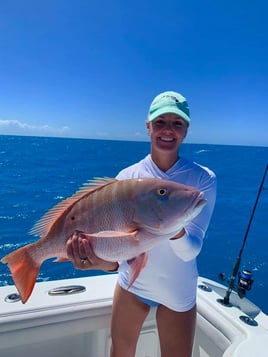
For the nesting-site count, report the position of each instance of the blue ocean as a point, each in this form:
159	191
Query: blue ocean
38	172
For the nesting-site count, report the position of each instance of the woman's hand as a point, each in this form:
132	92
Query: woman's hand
80	252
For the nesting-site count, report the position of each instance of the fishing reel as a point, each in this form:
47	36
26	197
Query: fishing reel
244	284
245	280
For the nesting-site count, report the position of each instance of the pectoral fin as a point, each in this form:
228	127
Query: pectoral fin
113	234
137	264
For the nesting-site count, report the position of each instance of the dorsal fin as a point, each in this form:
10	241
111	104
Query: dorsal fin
43	226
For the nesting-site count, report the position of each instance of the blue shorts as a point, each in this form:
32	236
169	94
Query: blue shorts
148	302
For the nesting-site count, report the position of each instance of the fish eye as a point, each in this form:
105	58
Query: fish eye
162	191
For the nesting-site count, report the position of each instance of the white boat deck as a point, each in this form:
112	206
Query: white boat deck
78	324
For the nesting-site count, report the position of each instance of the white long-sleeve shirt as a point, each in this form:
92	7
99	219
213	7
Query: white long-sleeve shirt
170	275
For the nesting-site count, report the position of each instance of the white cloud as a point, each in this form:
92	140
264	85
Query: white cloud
141	136
15	127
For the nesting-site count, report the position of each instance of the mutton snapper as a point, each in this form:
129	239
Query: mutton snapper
123	219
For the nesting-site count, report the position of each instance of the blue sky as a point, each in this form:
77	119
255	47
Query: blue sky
89	69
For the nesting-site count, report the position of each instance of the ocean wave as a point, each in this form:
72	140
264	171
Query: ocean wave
58	197
7	217
201	151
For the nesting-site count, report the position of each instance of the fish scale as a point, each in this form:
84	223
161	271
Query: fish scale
109	211
116	208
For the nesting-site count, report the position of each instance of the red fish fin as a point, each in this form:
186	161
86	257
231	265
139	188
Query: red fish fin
137	264
43	226
113	234
24	271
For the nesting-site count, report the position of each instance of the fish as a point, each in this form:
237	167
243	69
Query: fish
123	219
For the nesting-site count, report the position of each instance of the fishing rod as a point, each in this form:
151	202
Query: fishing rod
245	277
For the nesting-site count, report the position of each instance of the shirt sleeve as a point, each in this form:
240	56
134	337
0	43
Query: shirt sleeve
189	245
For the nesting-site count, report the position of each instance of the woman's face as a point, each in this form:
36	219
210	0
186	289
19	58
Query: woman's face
167	132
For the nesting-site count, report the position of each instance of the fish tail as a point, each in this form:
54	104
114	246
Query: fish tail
24	270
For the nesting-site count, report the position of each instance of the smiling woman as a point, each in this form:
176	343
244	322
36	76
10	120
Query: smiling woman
172	285
167	126
167	133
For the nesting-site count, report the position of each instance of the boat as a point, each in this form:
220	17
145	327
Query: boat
71	318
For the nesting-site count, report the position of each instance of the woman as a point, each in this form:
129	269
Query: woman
169	279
